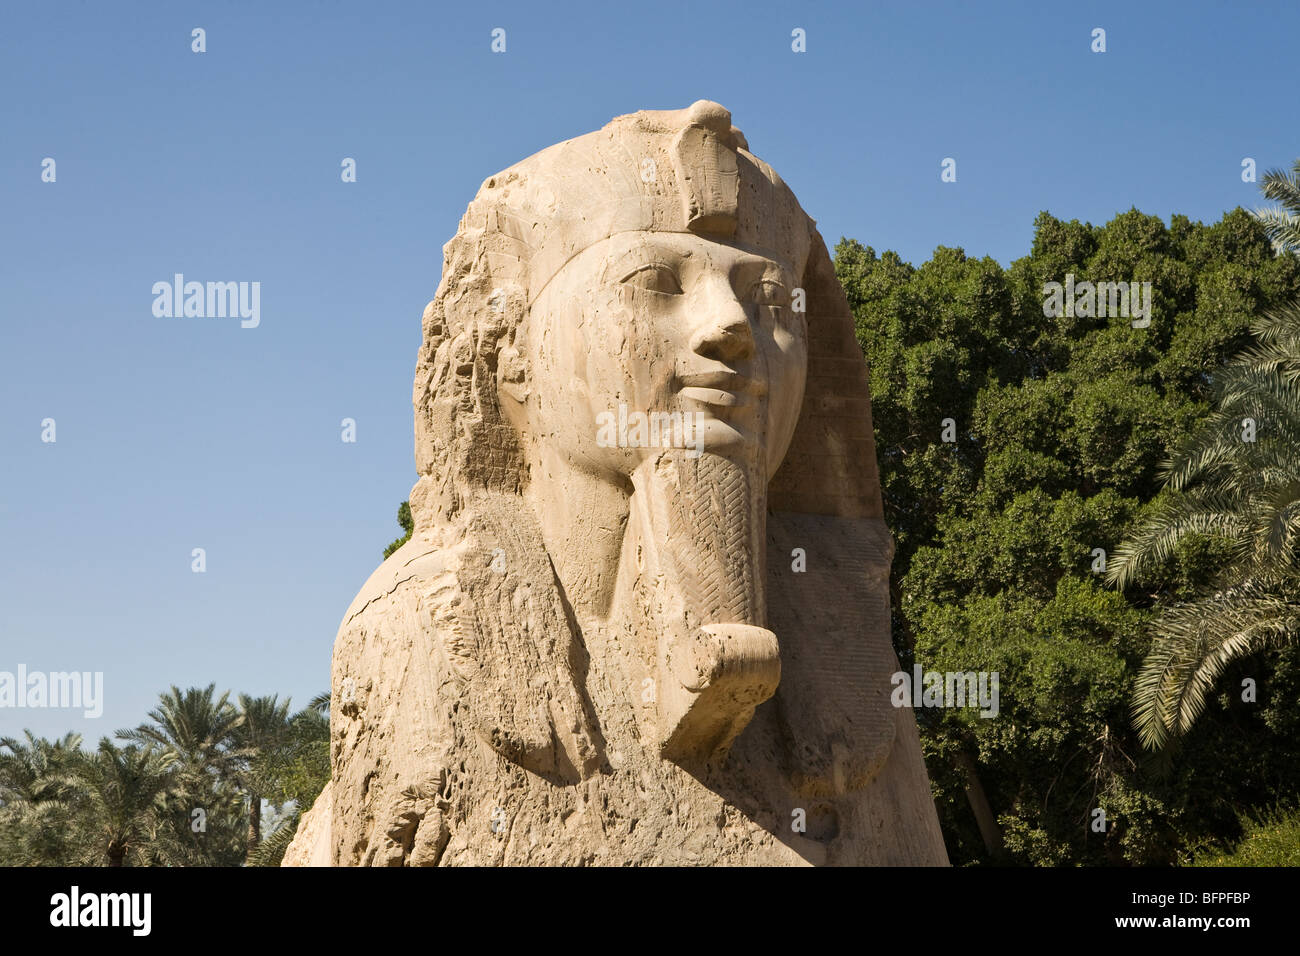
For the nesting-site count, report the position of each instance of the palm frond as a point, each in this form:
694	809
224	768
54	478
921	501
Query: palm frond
1156	541
1194	643
270	852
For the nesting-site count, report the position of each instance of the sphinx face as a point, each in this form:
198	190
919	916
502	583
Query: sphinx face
653	340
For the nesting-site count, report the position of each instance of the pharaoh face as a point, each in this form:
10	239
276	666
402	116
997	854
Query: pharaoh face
648	340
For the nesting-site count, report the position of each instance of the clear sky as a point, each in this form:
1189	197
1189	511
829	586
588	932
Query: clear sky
174	434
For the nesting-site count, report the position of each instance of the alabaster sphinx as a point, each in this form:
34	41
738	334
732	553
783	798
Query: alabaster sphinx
629	645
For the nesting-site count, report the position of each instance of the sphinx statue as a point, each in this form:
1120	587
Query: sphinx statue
643	617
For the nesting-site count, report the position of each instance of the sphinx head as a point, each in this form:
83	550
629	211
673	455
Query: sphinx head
647	272
628	311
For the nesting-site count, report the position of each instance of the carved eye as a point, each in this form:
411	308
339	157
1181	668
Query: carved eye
654	277
770	292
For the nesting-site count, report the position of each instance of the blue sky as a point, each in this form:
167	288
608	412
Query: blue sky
175	434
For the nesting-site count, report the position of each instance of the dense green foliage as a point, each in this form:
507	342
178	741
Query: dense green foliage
1060	426
408	525
186	791
1270	838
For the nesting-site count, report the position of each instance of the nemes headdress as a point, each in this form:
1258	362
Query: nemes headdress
652	171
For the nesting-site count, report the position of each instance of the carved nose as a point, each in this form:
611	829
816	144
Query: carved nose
727	338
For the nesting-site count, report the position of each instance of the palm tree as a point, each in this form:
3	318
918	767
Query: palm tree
197	729
29	771
270	852
121	801
1282	223
1237	480
263	727
294	772
34	792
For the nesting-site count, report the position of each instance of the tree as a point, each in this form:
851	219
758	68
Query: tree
1269	838
293	774
35	785
120	802
263	727
1060	424
173	796
408	525
197	730
1282	225
1236	481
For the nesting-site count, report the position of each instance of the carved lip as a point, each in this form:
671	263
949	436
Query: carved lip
720	387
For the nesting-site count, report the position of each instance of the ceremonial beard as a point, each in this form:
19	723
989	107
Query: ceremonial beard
704	531
699	537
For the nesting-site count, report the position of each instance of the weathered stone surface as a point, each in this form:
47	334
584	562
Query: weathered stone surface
311	844
644	615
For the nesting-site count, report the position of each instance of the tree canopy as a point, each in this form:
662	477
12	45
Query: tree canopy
1059	426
